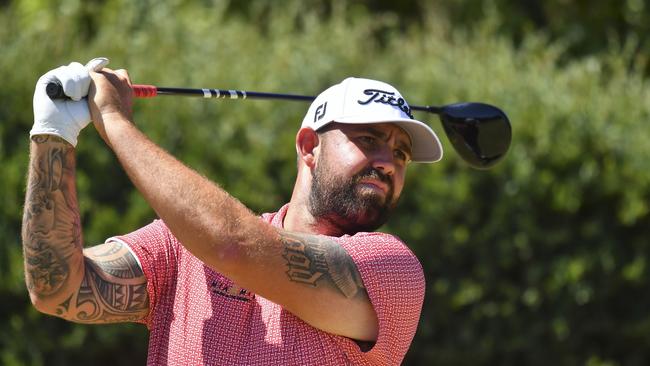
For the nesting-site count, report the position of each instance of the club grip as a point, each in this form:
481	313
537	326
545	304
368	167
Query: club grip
54	90
144	91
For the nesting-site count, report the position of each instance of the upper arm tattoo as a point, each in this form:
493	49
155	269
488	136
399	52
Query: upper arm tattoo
114	288
318	261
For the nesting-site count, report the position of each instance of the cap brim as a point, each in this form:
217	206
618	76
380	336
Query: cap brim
425	145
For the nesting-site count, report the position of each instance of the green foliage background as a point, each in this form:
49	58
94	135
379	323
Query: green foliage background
541	260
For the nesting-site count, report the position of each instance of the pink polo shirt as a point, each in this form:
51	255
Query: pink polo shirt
200	317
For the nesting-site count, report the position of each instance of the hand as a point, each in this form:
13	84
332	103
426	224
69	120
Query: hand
110	98
64	118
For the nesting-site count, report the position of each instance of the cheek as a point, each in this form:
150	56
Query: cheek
347	156
399	184
399	180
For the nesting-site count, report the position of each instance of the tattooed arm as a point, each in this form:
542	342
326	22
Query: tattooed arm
97	285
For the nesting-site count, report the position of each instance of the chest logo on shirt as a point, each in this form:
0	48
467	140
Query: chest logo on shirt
231	290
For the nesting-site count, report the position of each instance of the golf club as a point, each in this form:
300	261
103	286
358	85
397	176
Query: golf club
480	133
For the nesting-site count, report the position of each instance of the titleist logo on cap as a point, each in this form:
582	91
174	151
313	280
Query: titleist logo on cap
386	97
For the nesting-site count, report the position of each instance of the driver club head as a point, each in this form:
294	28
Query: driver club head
480	133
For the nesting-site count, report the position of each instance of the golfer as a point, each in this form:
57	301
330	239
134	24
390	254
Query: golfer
310	284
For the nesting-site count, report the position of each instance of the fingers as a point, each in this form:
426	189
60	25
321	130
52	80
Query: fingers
97	64
124	74
110	92
74	80
108	78
113	75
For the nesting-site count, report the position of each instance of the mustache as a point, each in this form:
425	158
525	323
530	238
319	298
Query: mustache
372	173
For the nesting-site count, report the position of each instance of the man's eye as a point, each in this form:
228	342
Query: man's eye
401	155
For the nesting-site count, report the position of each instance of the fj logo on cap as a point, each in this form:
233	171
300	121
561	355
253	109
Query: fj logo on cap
320	112
385	97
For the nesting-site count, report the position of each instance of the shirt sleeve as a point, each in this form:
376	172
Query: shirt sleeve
157	252
394	280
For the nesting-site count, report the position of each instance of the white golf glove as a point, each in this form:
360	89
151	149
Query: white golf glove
64	117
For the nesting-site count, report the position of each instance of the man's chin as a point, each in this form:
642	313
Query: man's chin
374	196
367	220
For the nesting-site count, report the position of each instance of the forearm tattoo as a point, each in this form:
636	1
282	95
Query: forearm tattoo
51	225
321	262
113	287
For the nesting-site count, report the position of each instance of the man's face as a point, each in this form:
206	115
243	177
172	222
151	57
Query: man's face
359	175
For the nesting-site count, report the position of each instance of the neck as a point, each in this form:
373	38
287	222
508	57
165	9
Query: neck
299	218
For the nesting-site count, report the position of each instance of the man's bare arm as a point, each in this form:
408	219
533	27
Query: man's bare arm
227	236
104	285
310	276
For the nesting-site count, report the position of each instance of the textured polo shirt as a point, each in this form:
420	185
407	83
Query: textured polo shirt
200	317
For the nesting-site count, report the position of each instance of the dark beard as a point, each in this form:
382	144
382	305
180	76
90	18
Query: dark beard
338	201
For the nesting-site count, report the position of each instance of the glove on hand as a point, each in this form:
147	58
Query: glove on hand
64	118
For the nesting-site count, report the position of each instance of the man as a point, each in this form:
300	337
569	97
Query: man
215	284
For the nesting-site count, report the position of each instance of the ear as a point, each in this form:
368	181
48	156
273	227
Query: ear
307	144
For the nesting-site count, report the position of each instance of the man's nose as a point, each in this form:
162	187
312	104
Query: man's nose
384	161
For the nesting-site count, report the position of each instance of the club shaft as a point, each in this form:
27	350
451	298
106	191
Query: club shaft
55	91
225	94
242	94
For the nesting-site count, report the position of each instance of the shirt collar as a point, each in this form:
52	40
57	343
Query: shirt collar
278	218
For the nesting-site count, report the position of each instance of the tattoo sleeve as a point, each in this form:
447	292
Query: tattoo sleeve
321	262
104	285
51	225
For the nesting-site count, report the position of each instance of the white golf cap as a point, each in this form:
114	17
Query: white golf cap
361	101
